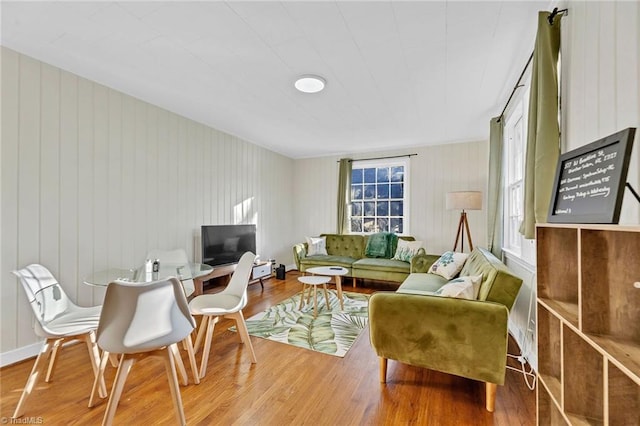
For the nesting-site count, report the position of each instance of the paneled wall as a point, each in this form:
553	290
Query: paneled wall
601	80
93	178
435	171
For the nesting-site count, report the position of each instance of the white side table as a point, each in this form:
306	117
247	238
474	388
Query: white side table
309	281
331	271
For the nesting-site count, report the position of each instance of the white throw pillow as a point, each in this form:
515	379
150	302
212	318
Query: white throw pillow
406	250
461	287
316	246
449	265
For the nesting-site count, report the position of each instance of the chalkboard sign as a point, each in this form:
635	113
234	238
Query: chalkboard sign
590	181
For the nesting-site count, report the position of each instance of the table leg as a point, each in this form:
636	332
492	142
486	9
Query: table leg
315	301
304	287
339	290
326	296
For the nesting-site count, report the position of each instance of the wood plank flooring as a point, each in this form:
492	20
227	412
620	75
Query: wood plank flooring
288	385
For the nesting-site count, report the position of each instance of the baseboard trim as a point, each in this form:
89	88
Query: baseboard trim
20	354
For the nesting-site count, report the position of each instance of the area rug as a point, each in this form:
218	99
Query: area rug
332	332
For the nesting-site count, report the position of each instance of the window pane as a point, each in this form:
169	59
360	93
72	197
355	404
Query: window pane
397	174
383	174
396	225
356	225
356	192
383	224
369	175
369	191
382	208
383	190
369	208
356	176
397	190
356	209
369	224
396	208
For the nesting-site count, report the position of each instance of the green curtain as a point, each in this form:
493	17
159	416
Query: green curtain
494	193
543	132
344	195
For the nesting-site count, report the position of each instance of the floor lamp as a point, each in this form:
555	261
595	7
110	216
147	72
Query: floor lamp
463	200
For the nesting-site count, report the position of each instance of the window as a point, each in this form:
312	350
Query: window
514	141
378	196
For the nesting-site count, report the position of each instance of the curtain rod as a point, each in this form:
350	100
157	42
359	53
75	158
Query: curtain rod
518	85
381	158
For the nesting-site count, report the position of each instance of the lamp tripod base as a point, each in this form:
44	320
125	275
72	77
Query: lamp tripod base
462	225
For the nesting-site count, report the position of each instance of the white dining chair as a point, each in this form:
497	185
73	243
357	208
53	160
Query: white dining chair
142	320
228	304
58	320
179	256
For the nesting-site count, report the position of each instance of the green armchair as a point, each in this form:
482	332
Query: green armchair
467	338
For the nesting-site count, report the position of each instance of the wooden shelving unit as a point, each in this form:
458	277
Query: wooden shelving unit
588	324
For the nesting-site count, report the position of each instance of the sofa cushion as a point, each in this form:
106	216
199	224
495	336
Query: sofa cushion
461	287
421	283
380	245
316	246
345	245
329	260
406	250
449	264
384	265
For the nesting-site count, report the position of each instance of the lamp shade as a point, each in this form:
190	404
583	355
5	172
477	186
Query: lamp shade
464	200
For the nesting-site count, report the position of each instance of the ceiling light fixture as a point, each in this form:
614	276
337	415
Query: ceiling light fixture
310	83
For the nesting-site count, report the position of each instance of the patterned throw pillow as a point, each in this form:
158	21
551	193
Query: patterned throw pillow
316	246
406	250
461	287
449	264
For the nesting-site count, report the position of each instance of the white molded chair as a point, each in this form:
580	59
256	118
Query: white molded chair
58	320
142	320
179	256
228	304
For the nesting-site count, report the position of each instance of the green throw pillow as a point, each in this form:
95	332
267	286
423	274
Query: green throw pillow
380	245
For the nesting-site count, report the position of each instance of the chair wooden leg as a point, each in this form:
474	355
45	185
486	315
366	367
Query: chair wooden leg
47	346
99	376
52	359
244	333
491	389
94	355
113	358
188	343
126	361
211	321
173	386
355	283
175	351
383	370
201	332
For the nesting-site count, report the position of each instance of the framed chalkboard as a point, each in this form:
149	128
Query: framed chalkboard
590	181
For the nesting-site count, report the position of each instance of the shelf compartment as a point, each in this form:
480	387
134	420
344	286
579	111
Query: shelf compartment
548	412
624	398
583	380
549	351
610	268
558	274
624	352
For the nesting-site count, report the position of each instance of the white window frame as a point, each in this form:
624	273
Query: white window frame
389	162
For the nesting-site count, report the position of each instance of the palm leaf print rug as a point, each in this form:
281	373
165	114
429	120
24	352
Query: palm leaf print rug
332	332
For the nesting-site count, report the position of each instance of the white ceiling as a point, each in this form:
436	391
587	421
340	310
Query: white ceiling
399	74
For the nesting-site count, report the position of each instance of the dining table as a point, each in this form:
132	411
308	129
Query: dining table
182	271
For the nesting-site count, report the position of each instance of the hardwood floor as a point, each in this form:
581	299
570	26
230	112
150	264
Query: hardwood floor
288	385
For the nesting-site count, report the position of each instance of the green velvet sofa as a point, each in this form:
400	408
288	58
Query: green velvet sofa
464	337
348	251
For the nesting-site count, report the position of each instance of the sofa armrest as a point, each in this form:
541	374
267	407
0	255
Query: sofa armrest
422	261
467	338
299	252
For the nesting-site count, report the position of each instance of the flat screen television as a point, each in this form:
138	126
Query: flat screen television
225	244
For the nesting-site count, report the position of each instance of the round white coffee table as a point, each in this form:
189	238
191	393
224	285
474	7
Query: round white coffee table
331	271
314	281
